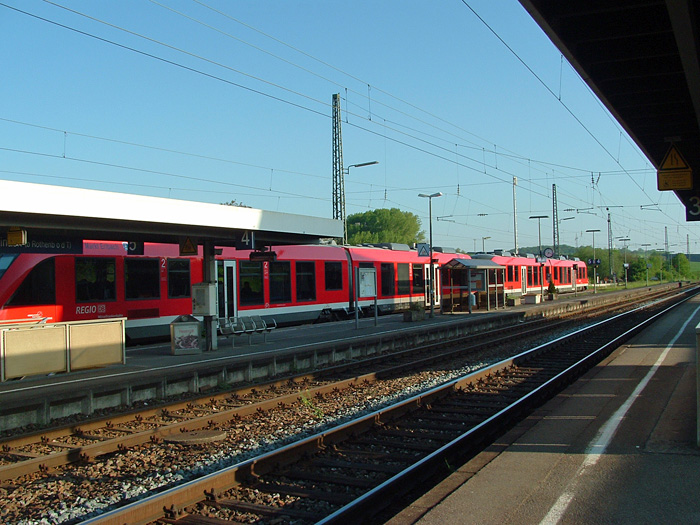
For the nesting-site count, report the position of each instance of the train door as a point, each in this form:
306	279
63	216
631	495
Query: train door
226	271
523	279
436	285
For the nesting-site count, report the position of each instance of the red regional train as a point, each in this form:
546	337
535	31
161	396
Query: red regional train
525	275
302	284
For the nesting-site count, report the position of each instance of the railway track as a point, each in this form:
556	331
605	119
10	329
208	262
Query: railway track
350	472
243	415
38	452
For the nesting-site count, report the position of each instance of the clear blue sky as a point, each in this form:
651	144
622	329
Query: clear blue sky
231	100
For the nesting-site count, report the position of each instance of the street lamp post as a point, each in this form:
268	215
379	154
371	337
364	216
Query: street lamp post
595	266
431	279
646	261
346	171
483	244
625	266
539	231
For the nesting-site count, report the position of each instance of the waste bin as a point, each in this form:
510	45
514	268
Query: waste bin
186	335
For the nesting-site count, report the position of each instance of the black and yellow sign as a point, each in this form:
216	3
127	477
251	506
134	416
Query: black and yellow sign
16	237
674	173
187	247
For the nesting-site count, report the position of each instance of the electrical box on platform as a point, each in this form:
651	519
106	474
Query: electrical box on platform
204	299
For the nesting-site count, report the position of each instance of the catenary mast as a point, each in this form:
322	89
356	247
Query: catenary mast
338	178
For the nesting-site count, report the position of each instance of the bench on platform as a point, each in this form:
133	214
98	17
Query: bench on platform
235	326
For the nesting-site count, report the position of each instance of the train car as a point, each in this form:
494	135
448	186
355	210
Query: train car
526	275
149	290
301	284
402	275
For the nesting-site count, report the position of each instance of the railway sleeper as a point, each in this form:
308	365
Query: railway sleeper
401	444
439	424
335	498
374	455
353	465
192	519
478	400
422	433
533	377
413	435
475	413
300	474
265	510
394	443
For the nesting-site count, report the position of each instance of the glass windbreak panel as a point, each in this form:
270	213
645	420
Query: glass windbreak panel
251	279
39	287
306	281
280	282
220	289
387	271
402	270
334	276
418	278
95	279
178	278
5	262
142	278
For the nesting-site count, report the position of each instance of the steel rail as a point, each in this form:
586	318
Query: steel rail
176	499
66	454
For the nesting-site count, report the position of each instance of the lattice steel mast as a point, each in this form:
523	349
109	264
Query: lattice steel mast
555	220
610	247
338	172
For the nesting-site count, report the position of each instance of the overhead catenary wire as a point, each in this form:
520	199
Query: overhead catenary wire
405	143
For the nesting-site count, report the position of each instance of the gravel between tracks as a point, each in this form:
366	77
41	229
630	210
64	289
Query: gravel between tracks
76	492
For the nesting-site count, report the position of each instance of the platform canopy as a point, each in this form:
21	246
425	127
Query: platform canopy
642	59
90	214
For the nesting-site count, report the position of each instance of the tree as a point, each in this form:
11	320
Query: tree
384	225
637	270
234	203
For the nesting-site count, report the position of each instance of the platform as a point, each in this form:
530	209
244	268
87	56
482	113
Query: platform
618	446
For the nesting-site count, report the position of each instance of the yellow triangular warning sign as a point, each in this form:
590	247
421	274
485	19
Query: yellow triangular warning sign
187	247
673	160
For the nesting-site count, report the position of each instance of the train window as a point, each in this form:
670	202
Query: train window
5	262
39	287
530	276
509	276
280	282
306	281
418	279
387	271
178	278
402	270
251	283
142	278
334	276
95	279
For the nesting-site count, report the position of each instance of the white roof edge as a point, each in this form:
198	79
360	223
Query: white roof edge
25	197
